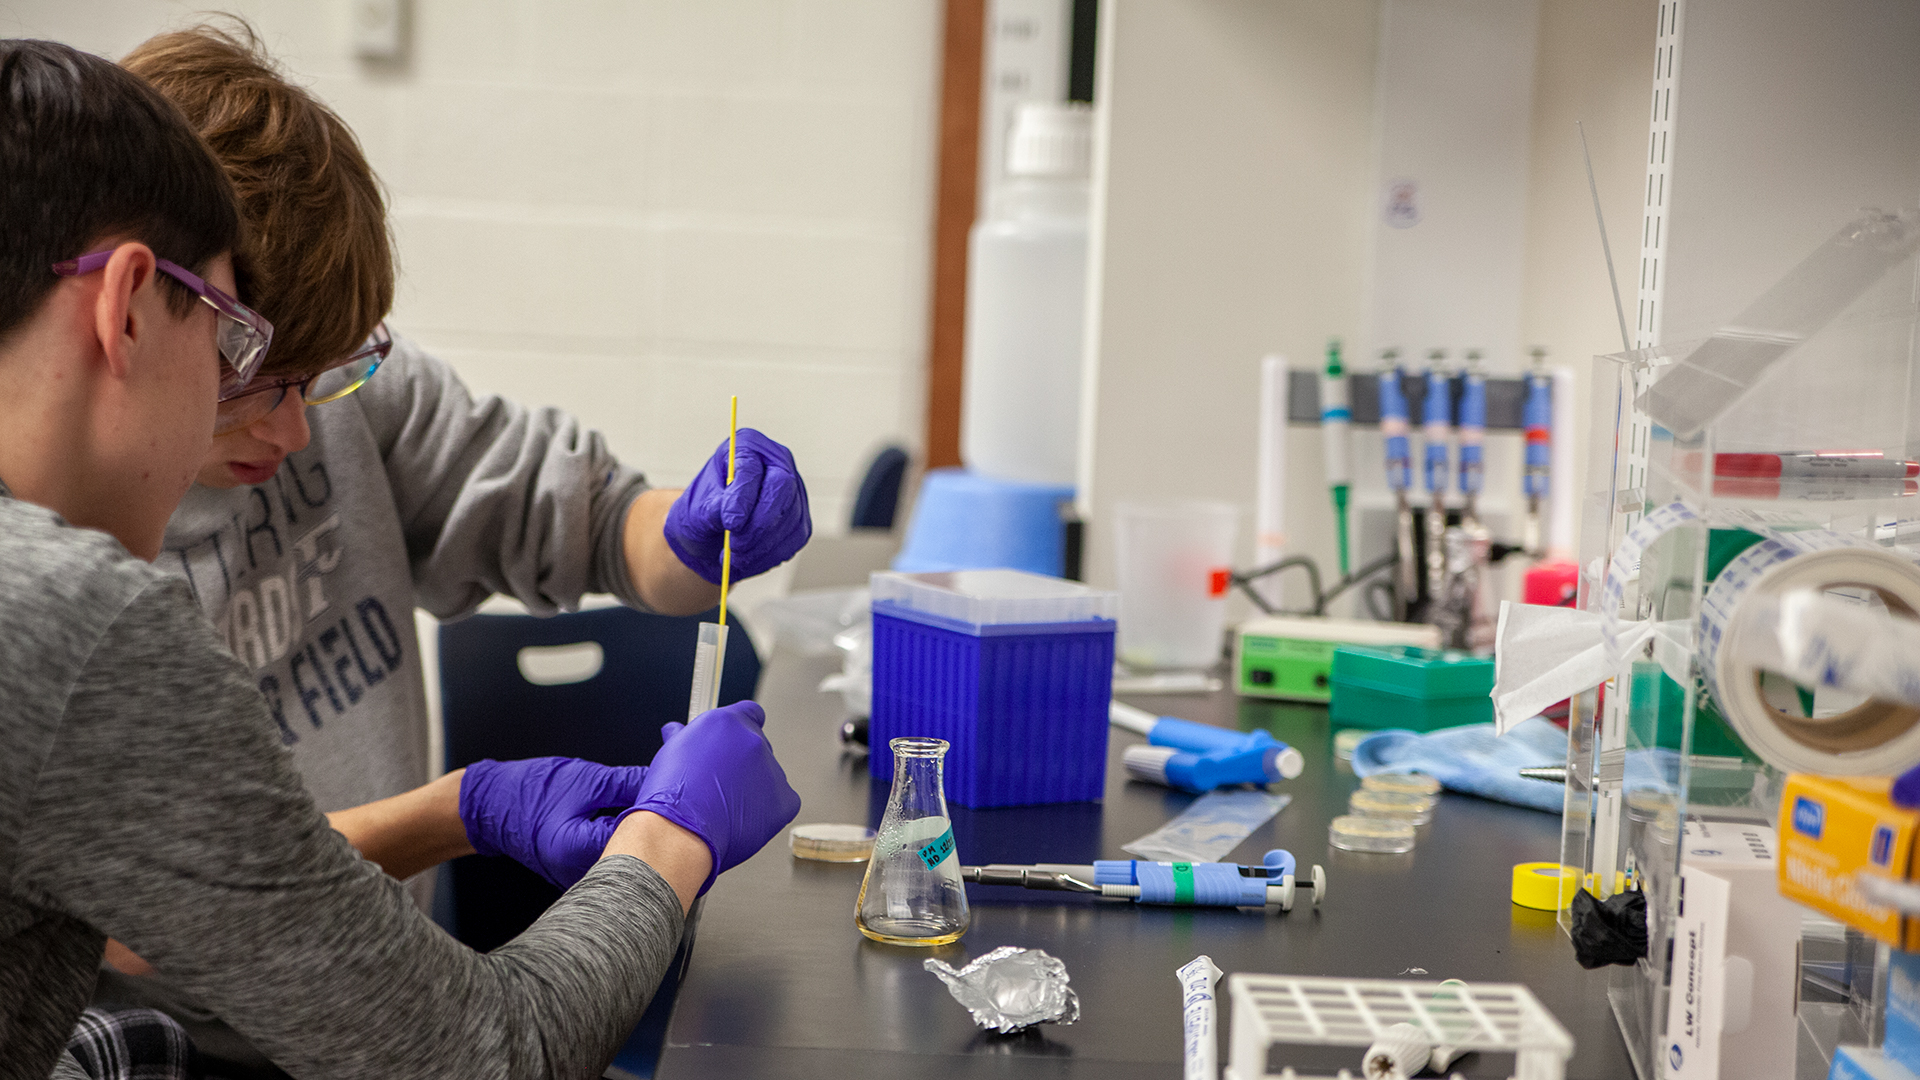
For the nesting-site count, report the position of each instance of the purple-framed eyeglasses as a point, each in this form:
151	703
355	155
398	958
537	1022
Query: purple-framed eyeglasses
331	383
242	333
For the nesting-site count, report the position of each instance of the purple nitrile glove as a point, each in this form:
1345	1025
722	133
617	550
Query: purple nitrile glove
542	811
717	778
765	507
1906	788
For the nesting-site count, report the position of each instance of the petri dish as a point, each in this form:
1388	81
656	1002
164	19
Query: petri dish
1417	809
1344	742
1363	832
832	843
1411	783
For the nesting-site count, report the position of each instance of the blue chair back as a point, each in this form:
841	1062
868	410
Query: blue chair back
492	710
878	500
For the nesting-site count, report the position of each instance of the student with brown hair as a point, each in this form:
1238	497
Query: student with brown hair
342	495
143	793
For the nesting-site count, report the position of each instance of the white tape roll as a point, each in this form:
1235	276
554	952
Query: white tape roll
1876	737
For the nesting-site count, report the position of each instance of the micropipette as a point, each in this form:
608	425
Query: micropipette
1536	416
1436	430
1199	884
710	650
1201	757
1334	419
1473	432
1393	425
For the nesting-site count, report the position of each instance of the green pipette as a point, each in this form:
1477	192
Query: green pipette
1334	418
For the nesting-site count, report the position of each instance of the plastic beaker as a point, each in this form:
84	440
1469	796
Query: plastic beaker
912	894
1175	561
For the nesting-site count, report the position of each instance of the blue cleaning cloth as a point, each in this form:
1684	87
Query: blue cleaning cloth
1473	760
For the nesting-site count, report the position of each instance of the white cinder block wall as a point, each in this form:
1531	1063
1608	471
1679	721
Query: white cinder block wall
634	208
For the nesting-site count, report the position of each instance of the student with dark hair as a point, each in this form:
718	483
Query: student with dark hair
144	792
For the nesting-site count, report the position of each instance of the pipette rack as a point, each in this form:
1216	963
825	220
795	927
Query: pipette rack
1505	398
1275	1010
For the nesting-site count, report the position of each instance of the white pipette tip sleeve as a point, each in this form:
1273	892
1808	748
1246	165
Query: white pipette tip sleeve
1202	1055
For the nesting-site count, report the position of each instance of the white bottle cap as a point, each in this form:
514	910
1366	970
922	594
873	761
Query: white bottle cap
1051	139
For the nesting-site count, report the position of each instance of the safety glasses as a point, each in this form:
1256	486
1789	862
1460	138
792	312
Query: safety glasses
243	335
329	384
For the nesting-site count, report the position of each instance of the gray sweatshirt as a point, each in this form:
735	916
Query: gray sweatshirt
145	793
412	493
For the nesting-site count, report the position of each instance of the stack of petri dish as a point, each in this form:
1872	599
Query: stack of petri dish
1383	814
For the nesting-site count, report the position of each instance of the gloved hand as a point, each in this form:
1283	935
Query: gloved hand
765	507
717	778
541	811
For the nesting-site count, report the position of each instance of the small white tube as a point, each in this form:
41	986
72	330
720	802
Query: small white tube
1196	1015
709	657
1401	1051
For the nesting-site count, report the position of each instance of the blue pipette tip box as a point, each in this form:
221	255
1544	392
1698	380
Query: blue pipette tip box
1014	670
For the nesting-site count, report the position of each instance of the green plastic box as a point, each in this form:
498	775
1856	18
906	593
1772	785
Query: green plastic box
1291	657
1403	686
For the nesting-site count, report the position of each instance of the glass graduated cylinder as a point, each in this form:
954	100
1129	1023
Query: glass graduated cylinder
912	894
709	655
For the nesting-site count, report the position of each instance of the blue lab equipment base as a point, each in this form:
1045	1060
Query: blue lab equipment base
963	521
1023	705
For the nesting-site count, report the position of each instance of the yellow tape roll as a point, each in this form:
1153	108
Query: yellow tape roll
1537	885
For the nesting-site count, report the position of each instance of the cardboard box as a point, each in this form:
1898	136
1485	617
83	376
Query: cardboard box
1735	959
1861	1063
1833	829
1901	1043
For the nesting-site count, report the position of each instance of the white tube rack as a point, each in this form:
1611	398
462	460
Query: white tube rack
1272	1010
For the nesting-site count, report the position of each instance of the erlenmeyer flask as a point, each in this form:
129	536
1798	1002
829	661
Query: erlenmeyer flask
912	893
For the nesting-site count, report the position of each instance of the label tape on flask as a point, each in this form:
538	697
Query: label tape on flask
1875	737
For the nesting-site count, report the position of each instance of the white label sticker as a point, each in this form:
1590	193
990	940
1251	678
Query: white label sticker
1694	997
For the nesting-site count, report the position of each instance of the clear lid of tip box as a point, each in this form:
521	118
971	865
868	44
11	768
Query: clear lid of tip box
994	597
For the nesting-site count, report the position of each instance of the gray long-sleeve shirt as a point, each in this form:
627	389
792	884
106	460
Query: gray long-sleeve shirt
145	794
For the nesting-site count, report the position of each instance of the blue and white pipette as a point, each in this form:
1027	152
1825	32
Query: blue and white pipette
1200	757
1334	421
1436	431
1196	884
1473	433
1536	417
1393	424
1394	427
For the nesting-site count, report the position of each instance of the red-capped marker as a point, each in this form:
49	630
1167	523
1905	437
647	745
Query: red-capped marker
1836	466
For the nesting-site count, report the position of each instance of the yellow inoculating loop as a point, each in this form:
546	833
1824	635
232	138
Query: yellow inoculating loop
726	538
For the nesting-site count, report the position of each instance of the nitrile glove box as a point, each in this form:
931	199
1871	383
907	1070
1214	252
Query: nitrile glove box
1014	670
1404	686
